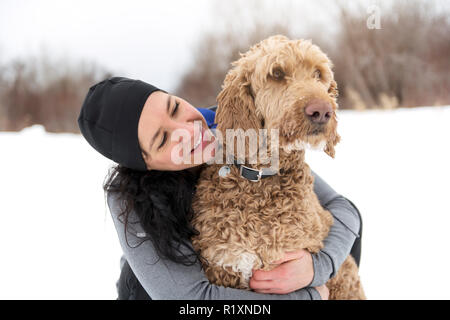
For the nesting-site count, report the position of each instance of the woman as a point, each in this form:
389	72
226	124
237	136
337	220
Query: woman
149	195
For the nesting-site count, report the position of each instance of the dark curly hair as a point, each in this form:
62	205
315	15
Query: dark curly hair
162	200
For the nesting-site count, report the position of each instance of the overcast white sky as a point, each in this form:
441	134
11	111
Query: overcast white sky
150	40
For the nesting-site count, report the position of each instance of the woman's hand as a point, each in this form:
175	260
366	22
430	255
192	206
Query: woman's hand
295	271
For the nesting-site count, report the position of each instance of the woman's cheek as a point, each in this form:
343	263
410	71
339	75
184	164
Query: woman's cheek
175	155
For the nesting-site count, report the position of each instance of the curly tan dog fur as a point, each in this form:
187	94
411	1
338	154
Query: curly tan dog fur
245	225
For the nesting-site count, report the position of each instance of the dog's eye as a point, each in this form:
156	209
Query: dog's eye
317	74
278	74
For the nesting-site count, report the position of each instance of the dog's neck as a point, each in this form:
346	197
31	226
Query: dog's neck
288	161
291	160
281	161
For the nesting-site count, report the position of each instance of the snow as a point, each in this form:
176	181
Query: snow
58	241
394	165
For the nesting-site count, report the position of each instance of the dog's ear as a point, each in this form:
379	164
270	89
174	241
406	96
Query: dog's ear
335	138
236	106
331	143
333	89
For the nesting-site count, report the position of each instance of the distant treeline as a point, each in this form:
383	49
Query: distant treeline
404	64
44	91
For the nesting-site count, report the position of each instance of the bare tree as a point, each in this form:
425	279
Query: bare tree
44	91
405	63
406	59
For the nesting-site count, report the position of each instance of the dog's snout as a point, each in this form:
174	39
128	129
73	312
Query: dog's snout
318	111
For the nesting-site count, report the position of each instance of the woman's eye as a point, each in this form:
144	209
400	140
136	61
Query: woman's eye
163	140
175	109
318	75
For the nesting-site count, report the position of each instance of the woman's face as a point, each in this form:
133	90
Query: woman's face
173	135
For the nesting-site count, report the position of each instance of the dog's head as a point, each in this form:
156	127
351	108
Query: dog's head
282	84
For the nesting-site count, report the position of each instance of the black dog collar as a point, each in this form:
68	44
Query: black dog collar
254	175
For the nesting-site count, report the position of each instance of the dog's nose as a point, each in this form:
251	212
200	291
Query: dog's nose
318	111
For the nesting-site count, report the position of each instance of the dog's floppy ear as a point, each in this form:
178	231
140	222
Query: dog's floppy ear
335	138
329	147
236	106
333	89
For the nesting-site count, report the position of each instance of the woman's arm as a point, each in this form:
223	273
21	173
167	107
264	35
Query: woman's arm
342	233
163	279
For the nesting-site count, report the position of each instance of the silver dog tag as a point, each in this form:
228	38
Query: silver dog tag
224	171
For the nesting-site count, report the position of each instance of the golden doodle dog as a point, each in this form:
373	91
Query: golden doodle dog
243	225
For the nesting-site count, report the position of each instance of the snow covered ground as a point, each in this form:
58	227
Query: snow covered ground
57	239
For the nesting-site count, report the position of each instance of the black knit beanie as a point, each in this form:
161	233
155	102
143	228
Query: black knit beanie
109	119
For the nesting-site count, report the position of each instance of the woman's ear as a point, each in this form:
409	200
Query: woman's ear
146	159
236	106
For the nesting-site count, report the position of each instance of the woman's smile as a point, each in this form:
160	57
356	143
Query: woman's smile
198	142
173	134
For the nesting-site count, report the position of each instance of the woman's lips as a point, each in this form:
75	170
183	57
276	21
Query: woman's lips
201	143
198	141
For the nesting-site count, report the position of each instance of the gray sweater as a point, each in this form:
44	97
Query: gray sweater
164	279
